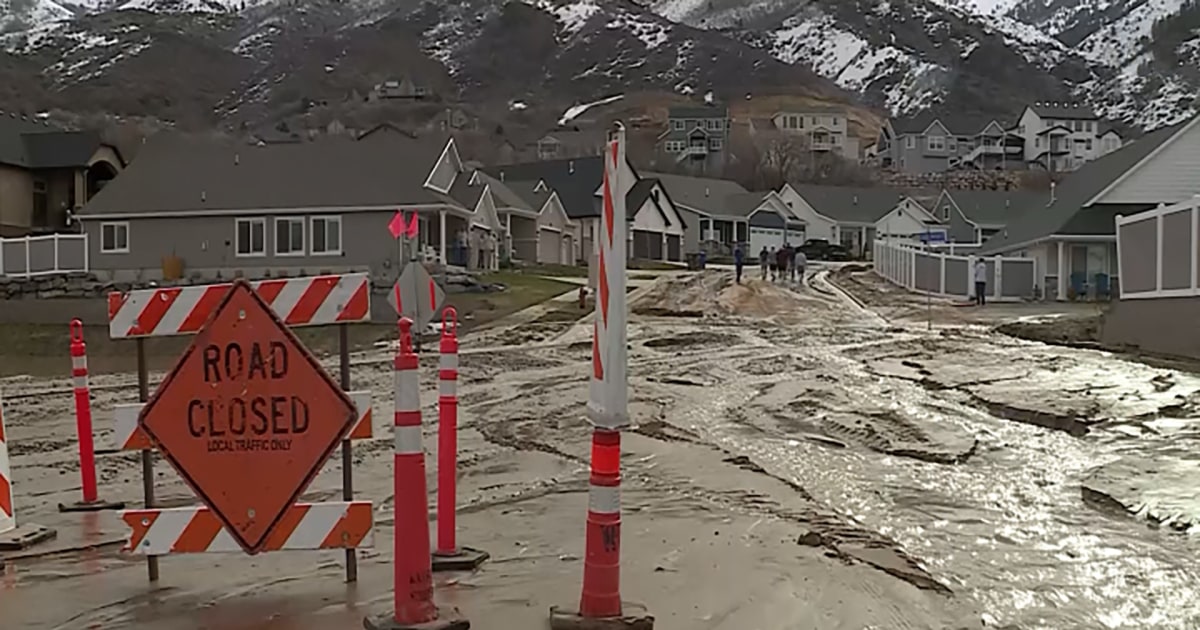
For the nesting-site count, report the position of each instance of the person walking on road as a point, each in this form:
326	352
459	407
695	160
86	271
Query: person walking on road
801	263
773	262
792	251
762	262
782	259
980	282
739	260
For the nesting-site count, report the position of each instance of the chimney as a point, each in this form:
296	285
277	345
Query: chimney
203	196
856	200
571	167
237	159
706	191
501	175
1052	196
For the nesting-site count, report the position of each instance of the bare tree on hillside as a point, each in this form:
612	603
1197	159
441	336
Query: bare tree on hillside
768	160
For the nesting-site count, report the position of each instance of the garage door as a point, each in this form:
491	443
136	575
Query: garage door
674	248
549	247
647	245
765	237
568	249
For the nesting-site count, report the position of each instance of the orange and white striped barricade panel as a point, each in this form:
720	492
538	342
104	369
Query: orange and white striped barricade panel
127	436
8	517
314	301
306	526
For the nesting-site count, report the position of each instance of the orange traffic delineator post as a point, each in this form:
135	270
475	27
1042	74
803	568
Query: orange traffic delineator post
14	537
413	605
600	605
448	556
83	424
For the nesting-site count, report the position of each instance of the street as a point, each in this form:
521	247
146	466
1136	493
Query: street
800	459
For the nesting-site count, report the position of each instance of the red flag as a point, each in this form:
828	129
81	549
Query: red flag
396	225
412	226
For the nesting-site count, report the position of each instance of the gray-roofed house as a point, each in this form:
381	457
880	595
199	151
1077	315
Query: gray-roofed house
932	143
229	209
824	129
1073	239
579	182
1062	137
535	221
48	173
973	216
842	214
697	137
714	223
771	223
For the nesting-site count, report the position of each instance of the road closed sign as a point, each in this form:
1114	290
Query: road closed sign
247	417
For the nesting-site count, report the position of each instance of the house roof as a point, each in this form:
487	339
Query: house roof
744	204
850	204
1070	111
576	181
996	207
195	175
716	110
705	194
957	124
1068	215
507	195
34	144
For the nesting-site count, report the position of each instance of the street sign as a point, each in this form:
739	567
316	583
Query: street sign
247	417
418	295
933	237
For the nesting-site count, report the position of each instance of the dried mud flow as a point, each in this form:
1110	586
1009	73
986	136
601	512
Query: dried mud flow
796	460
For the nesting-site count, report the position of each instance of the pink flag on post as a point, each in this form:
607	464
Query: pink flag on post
396	225
412	226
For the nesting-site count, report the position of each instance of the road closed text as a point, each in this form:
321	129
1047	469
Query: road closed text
253	419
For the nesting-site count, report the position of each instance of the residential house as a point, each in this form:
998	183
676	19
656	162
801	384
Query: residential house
1072	238
973	216
570	143
714	224
47	173
771	223
1063	136
227	209
842	214
537	226
823	130
403	88
697	137
655	221
909	220
932	143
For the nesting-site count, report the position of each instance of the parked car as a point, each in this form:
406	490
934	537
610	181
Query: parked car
837	253
815	248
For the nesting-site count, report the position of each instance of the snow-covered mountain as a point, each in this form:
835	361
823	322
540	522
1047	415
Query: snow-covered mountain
251	60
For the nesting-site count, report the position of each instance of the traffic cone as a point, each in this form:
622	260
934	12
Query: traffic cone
83	424
413	606
12	536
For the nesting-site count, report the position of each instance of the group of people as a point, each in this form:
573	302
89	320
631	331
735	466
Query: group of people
783	264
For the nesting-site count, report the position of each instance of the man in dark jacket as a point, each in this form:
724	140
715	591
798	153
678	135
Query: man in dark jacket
739	260
783	258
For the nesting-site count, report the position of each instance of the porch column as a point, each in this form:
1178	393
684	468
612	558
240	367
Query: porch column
664	247
998	278
971	277
1063	280
508	237
442	236
862	241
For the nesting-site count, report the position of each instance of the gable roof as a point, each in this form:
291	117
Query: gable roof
192	176
1069	214
957	124
574	179
33	144
1069	111
850	204
995	207
704	194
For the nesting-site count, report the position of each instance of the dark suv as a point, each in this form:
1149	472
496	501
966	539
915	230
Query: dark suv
822	249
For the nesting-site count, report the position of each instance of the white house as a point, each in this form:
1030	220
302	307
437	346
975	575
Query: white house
823	130
909	221
816	225
1063	136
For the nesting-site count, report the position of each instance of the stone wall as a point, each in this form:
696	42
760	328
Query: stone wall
967	180
71	285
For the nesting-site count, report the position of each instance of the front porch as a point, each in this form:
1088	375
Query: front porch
456	240
718	236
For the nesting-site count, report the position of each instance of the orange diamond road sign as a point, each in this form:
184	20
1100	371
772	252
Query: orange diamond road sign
247	416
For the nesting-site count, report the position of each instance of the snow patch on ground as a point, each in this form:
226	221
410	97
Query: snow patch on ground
1120	40
572	15
576	111
23	16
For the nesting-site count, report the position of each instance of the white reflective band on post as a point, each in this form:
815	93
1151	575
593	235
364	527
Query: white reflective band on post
81	382
604	499
448	361
408	391
447	389
407	440
79	363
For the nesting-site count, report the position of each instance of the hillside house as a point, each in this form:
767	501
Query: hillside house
570	143
843	214
402	88
48	173
822	129
228	209
1072	236
1061	137
697	137
931	143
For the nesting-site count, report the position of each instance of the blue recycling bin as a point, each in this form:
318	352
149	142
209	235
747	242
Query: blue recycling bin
1103	290
703	259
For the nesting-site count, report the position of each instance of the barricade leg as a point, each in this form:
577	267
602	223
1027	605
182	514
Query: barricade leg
413	604
14	537
83	425
448	556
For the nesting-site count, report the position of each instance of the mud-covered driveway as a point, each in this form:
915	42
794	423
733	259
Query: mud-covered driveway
798	462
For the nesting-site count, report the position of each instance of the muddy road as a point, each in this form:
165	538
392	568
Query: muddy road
798	461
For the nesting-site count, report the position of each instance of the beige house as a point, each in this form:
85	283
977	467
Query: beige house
824	129
47	173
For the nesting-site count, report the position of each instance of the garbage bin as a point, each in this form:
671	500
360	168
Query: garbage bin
703	260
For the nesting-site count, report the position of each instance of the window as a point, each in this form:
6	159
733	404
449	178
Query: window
910	142
327	236
1089	144
250	237
289	237
952	144
114	238
41	204
935	143
714	144
677	124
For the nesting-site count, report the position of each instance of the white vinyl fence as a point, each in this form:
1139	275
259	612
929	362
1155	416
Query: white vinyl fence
928	272
33	256
1158	252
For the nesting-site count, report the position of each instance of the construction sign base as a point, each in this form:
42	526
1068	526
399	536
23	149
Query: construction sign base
448	619
463	559
91	506
634	617
25	536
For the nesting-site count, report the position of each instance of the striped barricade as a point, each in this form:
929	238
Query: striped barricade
332	525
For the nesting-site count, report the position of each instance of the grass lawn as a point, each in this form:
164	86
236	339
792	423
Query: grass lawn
561	271
524	290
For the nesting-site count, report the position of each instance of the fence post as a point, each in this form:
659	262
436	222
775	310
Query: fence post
87	254
1158	257
970	277
29	240
1195	245
941	274
998	278
912	269
1	257
56	253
